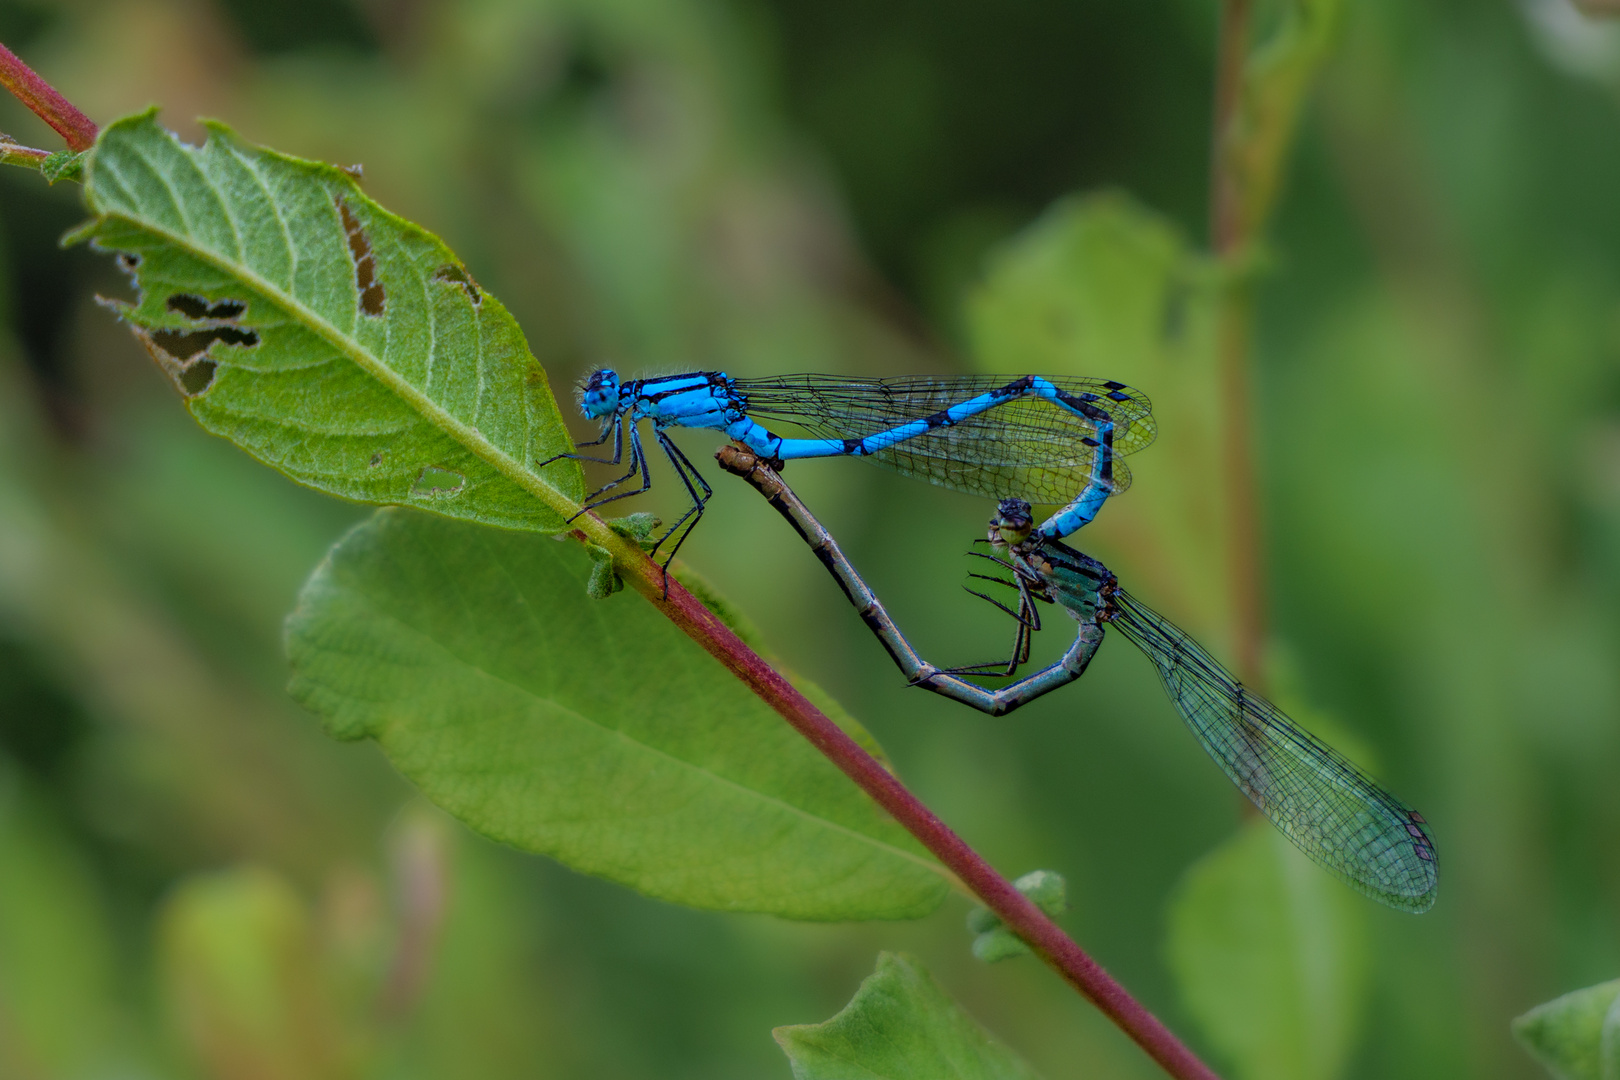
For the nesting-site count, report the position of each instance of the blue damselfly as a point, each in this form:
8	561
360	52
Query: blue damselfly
1050	441
1329	808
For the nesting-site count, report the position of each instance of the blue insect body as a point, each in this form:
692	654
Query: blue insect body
1052	441
1332	811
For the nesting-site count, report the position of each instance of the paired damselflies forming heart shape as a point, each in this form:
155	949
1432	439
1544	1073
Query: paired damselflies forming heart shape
1021	440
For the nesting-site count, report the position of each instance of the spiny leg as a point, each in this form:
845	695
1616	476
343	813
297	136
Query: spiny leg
638	463
687	472
615	429
1029	622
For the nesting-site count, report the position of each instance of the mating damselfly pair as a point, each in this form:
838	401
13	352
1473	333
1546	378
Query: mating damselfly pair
1019	440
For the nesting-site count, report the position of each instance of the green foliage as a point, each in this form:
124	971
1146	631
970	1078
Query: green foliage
57	958
1270	956
329	338
1102	285
595	733
1280	74
243	980
63	165
900	1023
653	185
992	940
1577	1036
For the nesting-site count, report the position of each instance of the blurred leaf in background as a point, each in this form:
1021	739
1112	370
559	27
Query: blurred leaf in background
900	1023
777	185
1577	1036
1271	956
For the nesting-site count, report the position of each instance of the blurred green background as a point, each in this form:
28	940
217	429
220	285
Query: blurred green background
784	185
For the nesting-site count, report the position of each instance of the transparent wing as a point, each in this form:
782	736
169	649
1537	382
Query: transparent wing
1320	801
1027	448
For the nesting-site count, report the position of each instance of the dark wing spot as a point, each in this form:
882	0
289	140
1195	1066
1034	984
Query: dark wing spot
457	275
1084	408
373	302
1112	385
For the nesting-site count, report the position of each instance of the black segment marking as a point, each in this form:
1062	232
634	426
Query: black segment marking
825	555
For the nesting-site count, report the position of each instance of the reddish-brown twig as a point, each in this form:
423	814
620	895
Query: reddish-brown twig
1017	911
77	129
1230	233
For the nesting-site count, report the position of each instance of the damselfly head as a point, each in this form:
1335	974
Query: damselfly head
1012	523
599	393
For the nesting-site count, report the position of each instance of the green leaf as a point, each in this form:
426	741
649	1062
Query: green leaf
243	982
327	337
993	941
63	165
1102	286
1577	1036
1270	956
595	733
899	1024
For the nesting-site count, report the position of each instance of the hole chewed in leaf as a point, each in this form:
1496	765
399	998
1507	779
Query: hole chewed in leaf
457	275
129	261
196	307
180	353
372	300
182	345
195	378
376	460
437	482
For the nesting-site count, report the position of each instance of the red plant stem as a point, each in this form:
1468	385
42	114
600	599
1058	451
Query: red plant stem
14	154
76	128
1226	225
1230	233
1017	911
1014	909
